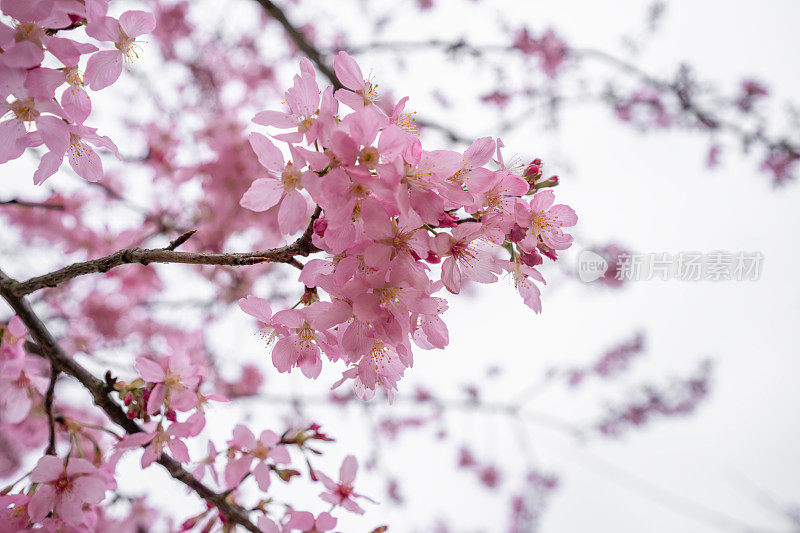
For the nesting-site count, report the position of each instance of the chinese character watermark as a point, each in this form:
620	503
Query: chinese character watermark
682	266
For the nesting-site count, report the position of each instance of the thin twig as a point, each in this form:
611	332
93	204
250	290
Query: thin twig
180	240
26	203
48	409
316	56
686	103
299	39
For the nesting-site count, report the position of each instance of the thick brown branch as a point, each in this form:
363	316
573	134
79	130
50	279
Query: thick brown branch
62	362
286	254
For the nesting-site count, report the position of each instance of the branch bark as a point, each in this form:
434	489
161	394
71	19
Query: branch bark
286	254
62	362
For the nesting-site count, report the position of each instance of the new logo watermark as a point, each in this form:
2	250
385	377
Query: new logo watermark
682	266
591	266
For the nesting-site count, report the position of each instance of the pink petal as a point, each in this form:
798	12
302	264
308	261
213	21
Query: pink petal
261	473
48	165
347	473
256	307
479	152
149	370
293	213
283	356
348	71
104	29
68	51
70	508
274	118
236	469
91	488
135	23
41	503
302	520
76	104
42	83
179	450
17	327
24	54
326	522
104	68
268	154
262	194
48	468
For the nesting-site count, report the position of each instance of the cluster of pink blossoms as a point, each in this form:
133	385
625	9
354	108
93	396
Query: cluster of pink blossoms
66	490
48	106
398	223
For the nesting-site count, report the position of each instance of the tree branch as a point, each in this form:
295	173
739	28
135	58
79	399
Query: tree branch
286	254
688	105
48	409
299	39
315	55
62	362
26	203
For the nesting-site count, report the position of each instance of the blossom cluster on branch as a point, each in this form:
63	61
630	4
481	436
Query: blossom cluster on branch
391	210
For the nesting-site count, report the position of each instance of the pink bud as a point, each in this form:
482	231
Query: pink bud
320	225
517	233
532	259
433	258
448	221
547	251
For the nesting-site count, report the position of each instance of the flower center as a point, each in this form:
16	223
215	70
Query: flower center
128	47
369	157
27	31
74	77
63	484
291	177
541	221
407	122
24	109
306	334
369	92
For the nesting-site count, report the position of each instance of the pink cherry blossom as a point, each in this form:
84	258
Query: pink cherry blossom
105	67
266	447
544	221
64	487
305	522
341	493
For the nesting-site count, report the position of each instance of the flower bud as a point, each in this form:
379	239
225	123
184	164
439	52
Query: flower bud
320	225
448	221
552	181
547	251
517	233
532	259
433	258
